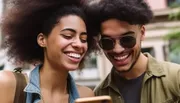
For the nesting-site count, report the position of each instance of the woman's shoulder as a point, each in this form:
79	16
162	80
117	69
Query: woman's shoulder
85	91
7	78
7	86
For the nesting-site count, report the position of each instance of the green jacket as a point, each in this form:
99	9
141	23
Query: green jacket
161	84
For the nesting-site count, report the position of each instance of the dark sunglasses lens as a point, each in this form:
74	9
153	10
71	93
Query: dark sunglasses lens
106	43
128	41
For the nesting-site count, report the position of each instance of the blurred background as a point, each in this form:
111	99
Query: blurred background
162	41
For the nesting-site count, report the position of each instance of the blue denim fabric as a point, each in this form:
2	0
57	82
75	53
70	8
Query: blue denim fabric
33	88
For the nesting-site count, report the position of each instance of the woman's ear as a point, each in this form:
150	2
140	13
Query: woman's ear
41	40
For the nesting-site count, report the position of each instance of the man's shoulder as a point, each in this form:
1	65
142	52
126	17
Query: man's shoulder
172	70
172	76
162	66
169	67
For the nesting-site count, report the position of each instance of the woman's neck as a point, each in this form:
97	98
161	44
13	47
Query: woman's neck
53	79
53	84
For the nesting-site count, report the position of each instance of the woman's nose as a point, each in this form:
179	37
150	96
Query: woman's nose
77	43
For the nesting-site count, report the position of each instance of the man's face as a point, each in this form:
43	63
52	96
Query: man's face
122	43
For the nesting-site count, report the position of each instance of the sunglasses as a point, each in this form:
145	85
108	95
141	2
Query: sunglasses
107	43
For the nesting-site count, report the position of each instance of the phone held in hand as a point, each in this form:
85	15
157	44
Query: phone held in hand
97	99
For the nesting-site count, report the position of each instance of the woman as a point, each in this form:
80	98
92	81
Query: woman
53	35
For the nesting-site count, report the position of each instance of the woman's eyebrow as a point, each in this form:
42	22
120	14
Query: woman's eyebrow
74	31
69	29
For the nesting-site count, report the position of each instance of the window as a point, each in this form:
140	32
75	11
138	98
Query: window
149	50
90	70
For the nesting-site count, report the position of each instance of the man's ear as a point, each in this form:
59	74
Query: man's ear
41	40
142	31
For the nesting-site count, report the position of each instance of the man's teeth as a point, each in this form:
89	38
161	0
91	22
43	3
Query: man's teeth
120	57
74	55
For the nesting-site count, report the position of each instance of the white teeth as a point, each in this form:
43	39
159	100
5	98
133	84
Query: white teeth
74	55
120	57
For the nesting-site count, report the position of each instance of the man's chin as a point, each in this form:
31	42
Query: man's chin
123	69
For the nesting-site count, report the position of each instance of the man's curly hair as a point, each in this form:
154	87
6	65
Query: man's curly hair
27	18
131	11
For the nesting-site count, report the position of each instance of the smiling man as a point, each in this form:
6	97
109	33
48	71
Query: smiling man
135	77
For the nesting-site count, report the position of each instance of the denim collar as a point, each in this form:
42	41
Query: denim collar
33	87
34	83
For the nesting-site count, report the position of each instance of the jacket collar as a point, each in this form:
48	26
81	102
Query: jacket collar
154	66
34	84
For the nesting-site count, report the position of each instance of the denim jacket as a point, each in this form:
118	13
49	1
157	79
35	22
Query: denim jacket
33	88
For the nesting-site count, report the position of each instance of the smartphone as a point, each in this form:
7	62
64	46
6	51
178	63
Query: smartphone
97	99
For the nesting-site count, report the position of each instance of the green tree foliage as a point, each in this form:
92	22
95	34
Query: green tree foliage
174	35
175	16
174	41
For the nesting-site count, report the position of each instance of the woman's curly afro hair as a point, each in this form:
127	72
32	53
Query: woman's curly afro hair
27	18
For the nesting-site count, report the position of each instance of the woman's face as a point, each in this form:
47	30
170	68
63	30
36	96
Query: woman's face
66	45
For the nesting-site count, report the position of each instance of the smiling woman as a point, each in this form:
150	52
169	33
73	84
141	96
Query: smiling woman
54	36
64	43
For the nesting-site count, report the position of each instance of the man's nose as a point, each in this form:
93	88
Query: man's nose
117	47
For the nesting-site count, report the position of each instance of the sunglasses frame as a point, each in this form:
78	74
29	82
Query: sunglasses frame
120	43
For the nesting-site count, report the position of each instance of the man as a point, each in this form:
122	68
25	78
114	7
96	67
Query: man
135	77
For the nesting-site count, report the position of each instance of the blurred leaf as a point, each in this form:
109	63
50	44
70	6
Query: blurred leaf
175	34
174	5
175	15
174	41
